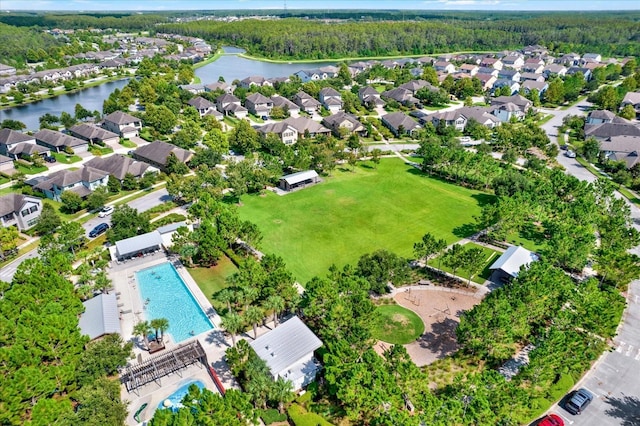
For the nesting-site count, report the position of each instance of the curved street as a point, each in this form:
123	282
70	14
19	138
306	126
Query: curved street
614	377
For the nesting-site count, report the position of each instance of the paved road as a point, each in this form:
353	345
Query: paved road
142	204
614	379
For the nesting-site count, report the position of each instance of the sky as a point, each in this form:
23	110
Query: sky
495	5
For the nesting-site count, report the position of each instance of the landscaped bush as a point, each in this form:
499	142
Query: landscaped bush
161	208
172	218
300	417
272	416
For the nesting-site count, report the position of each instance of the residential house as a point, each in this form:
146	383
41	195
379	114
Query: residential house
633	99
311	75
306	102
490	62
461	116
622	148
445	67
533	65
600	116
258	104
58	142
255	80
591	57
94	134
400	123
554	70
487	80
520	101
415	85
82	181
157	152
6	165
513	61
425	60
288	352
307	127
569	59
513	86
123	124
285	131
402	96
605	131
505	112
193	88
119	166
202	105
19	210
219	85
285	104
370	97
471	69
331	99
229	104
535	49
586	72
529	76
506	74
529	85
343	123
14	145
488	70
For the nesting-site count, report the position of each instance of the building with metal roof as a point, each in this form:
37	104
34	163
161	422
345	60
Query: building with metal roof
138	245
299	180
512	260
288	351
100	316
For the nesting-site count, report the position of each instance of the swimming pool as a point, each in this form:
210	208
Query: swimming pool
177	396
165	295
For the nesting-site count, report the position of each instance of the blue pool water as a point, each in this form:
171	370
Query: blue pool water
176	397
167	296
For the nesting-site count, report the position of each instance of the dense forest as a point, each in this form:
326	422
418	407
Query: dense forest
18	44
125	21
306	39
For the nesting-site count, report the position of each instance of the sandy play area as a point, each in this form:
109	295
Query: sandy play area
440	309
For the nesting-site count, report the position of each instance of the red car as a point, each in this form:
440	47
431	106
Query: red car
551	420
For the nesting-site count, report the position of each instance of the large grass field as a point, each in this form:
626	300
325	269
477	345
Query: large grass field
356	212
212	280
490	257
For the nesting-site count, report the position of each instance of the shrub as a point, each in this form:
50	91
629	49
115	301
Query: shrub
172	218
560	387
272	416
300	417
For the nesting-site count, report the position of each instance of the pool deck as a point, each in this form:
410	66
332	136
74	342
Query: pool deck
132	311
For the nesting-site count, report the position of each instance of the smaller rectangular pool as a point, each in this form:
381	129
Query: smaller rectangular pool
165	295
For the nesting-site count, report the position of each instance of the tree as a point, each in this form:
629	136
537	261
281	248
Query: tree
100	404
282	392
67	120
126	222
243	138
129	182
254	315
628	112
175	166
274	303
474	261
143	329
97	199
71	202
12	124
81	113
383	267
454	258
591	149
48	221
232	322
9	237
71	236
428	246
161	325
103	357
160	118
375	156
555	92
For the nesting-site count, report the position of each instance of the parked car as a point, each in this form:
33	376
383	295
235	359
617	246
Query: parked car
579	401
264	117
465	139
564	147
551	420
50	159
570	154
101	228
106	211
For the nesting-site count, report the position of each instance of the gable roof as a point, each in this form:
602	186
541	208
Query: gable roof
302	124
281	101
258	98
138	243
158	151
622	148
329	91
286	344
121	118
9	137
277	127
100	316
90	132
514	258
338	118
227	98
607	130
200	103
367	91
11	203
57	139
118	165
517	99
298	177
397	119
631	98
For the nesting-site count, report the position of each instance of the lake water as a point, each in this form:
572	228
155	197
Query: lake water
91	98
230	66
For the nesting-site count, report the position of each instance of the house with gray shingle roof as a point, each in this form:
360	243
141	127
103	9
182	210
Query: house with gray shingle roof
285	131
19	210
604	131
599	116
331	99
94	134
258	104
123	124
306	102
370	97
622	148
118	166
343	120
400	123
15	145
202	105
284	103
633	99
58	142
82	181
229	104
156	154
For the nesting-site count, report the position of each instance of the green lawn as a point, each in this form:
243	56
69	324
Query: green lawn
397	325
29	170
531	238
490	256
65	158
128	144
358	212
212	280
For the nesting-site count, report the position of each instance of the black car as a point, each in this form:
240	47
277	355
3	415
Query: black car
50	159
99	229
579	401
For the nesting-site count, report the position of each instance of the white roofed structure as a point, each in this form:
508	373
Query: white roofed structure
513	259
299	179
100	316
288	351
140	244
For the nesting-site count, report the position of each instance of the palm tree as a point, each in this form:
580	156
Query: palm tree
274	303
160	324
249	294
254	315
102	282
282	392
232	322
142	329
226	296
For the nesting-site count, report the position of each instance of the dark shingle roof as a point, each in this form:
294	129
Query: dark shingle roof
8	137
158	152
121	118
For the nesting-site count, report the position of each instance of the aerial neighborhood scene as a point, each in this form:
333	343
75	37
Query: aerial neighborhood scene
320	213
